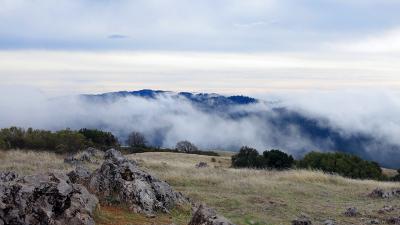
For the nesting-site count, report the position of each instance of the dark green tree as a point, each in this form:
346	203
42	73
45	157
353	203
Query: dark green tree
343	164
100	139
276	159
248	157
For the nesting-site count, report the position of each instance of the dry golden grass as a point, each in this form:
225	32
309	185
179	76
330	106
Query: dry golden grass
31	162
267	197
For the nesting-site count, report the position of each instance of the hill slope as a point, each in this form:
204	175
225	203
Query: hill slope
245	196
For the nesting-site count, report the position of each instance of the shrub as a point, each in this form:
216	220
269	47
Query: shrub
273	159
100	139
277	159
343	164
186	146
248	157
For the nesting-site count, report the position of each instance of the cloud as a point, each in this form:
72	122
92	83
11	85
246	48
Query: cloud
167	120
164	121
66	72
189	25
117	36
386	42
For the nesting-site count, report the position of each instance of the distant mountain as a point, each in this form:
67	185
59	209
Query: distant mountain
281	121
204	101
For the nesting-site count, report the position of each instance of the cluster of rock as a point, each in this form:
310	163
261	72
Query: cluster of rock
56	198
90	155
44	199
381	193
122	181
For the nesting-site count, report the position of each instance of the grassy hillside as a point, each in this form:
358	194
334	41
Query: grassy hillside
245	196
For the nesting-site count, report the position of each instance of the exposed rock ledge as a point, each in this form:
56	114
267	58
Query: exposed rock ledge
48	199
56	199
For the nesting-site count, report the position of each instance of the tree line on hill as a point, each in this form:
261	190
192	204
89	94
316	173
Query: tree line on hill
71	141
331	162
61	141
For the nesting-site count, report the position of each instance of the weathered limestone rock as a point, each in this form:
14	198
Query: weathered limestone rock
47	199
120	180
80	175
207	216
6	176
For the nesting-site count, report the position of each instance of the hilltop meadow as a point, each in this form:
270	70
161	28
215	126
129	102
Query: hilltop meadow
245	196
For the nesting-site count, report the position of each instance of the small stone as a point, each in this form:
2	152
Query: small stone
374	221
207	216
328	222
351	212
201	165
302	220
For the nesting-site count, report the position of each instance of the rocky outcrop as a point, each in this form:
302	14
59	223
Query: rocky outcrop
207	216
120	180
47	199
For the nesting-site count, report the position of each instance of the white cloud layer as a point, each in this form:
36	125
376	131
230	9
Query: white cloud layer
386	42
64	72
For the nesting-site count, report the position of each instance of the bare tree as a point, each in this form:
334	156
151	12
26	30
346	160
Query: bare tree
186	146
136	139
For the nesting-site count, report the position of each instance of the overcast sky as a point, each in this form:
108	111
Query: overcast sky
227	46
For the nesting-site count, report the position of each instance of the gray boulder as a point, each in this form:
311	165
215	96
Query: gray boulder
6	176
351	212
46	199
207	216
120	180
80	175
